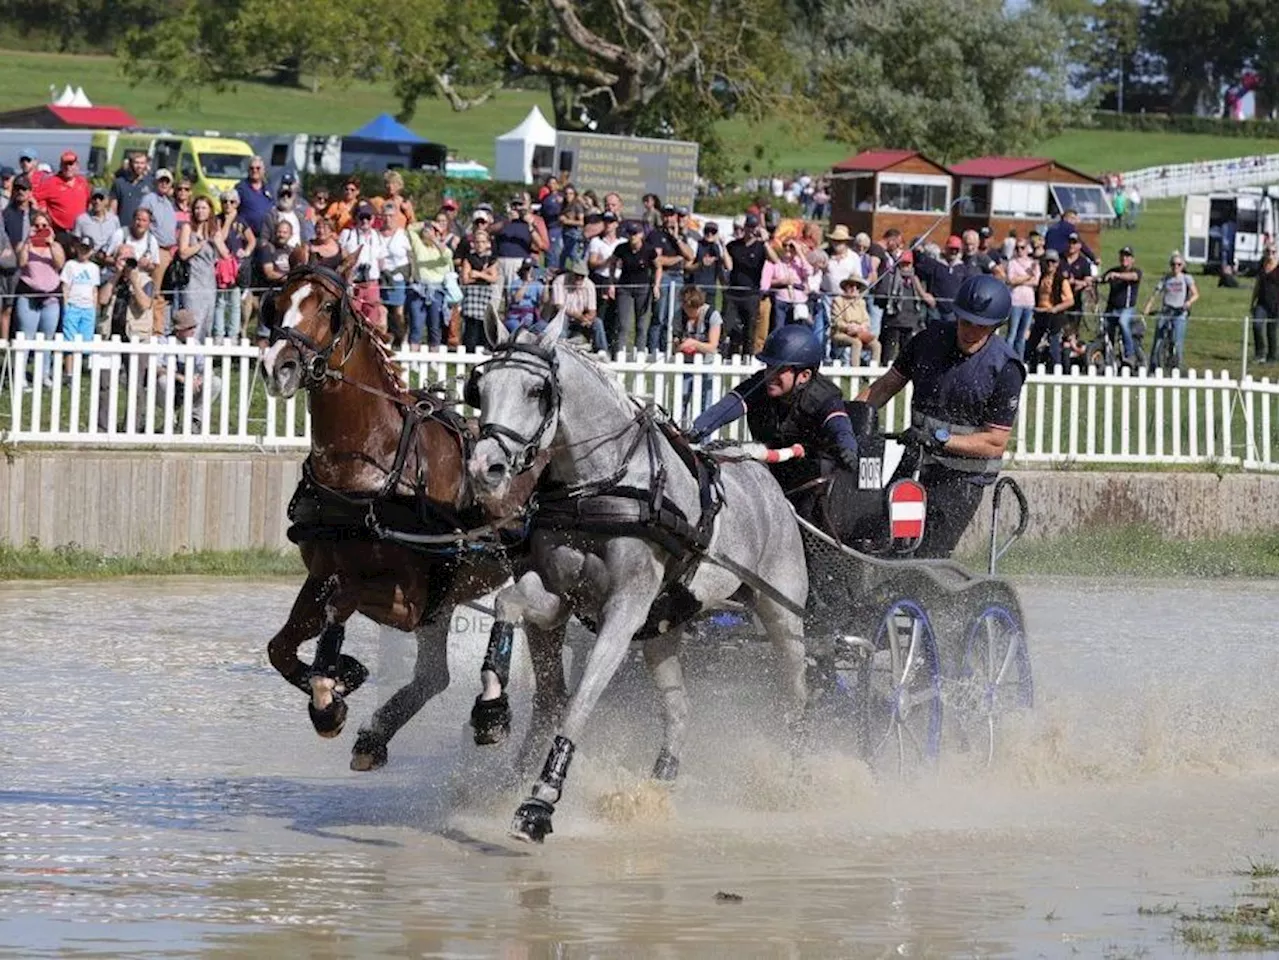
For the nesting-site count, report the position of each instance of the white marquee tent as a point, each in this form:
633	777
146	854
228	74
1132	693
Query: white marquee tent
513	151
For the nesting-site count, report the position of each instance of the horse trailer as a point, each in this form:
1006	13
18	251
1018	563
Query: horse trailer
1231	228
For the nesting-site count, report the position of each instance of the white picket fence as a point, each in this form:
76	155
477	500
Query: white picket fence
1205	176
152	395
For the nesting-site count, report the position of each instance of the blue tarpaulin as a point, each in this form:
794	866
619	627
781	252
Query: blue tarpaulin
386	127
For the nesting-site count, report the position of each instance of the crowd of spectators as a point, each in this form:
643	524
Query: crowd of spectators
144	258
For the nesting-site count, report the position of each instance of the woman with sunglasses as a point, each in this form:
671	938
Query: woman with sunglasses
1176	292
239	241
1022	274
342	210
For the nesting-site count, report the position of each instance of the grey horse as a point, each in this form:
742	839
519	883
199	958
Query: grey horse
594	555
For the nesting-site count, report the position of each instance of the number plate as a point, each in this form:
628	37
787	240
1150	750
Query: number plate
869	469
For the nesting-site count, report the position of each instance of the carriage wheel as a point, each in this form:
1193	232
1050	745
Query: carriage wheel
901	686
995	678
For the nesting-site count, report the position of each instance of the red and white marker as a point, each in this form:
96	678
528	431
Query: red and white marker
906	510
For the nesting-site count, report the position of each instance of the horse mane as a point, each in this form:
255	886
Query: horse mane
607	377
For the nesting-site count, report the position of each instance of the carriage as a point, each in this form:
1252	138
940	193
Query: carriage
914	657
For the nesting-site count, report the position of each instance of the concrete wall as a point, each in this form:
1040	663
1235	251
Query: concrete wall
164	503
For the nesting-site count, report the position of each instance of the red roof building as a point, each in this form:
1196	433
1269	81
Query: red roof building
881	189
1016	194
50	117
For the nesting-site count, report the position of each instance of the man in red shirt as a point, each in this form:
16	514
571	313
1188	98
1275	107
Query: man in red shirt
65	195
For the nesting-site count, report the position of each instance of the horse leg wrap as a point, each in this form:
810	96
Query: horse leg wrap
497	657
328	646
557	766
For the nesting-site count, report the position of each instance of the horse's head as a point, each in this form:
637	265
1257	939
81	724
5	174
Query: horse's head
518	396
306	319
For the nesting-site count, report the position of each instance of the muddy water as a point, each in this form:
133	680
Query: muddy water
161	792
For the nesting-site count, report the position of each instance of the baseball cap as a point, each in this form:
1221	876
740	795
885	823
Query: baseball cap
97	192
164	174
907	257
668	209
69	156
740	220
1051	254
364	210
517	200
954	243
448	203
287	179
984	232
481	214
6	171
1073	238
29	153
751	220
631	229
609	217
1126	251
682	211
711	227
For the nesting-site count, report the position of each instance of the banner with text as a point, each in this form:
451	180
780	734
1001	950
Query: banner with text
630	167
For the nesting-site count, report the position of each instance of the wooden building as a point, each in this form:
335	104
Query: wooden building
880	189
1022	193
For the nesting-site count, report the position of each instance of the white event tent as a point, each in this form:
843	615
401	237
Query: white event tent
513	151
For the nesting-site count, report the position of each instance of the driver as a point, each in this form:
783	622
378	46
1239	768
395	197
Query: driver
966	386
789	402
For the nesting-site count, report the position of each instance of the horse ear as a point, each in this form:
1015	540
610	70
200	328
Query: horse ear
495	331
298	255
347	265
554	331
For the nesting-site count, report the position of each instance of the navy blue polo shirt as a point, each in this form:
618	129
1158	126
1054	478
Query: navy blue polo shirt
254	205
943	280
977	390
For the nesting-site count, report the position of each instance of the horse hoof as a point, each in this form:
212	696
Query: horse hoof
666	767
491	720
369	753
532	821
329	721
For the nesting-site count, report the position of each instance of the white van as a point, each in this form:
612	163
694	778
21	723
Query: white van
1229	228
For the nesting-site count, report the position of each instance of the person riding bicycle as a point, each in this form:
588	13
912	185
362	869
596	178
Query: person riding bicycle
790	402
966	387
1176	291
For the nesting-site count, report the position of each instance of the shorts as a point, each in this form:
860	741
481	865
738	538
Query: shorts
78	323
393	293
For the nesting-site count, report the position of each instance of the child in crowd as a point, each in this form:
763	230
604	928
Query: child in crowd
81	278
851	324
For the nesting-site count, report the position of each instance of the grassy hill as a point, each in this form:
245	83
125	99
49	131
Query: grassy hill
25	79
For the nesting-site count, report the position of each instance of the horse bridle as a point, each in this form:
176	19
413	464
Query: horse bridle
315	358
520	451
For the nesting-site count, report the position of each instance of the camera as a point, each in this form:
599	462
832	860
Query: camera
131	263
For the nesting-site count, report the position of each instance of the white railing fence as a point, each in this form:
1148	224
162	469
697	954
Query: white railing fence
210	396
1204	176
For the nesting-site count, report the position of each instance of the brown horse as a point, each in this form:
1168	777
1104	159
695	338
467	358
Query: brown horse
382	517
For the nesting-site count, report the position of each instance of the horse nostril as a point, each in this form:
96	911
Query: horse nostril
496	472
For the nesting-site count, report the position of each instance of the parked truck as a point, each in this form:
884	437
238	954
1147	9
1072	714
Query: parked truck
1230	228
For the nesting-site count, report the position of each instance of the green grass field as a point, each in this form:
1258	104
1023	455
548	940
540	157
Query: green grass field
25	79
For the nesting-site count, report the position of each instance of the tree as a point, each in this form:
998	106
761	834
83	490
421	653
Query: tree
1205	45
914	74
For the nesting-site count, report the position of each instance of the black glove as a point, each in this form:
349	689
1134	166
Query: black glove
695	437
920	437
849	459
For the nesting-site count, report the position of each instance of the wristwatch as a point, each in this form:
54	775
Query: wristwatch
942	435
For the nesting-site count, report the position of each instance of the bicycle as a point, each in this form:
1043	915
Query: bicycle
1164	352
1106	350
